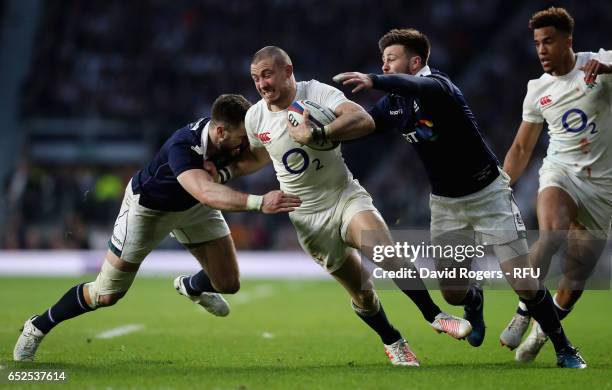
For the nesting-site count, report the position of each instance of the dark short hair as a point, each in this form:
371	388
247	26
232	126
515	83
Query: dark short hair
410	38
556	17
230	110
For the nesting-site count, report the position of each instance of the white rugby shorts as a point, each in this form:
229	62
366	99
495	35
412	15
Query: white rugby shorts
593	197
138	230
322	234
491	214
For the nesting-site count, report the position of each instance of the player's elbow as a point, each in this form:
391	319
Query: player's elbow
369	123
365	123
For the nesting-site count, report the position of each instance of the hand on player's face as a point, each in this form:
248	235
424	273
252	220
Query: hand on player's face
359	80
302	133
279	202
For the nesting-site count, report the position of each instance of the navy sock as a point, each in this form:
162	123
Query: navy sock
543	310
561	313
522	312
198	283
418	293
72	304
381	325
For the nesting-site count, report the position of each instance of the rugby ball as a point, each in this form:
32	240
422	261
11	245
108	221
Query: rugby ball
318	115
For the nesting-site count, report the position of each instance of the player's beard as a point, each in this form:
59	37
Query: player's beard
225	156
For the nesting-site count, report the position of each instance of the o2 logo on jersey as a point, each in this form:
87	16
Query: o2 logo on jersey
305	158
582	124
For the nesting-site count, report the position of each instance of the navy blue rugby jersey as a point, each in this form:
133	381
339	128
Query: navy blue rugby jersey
430	112
156	183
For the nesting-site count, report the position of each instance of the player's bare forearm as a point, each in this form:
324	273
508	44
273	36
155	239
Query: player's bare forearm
201	186
515	163
521	150
352	122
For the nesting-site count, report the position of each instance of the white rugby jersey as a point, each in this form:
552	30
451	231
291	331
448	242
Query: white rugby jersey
579	117
317	177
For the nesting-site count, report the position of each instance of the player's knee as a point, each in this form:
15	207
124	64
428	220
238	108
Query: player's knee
109	300
110	286
367	300
553	235
227	286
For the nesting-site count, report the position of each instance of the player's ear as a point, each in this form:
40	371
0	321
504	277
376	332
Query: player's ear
415	63
221	132
569	41
288	70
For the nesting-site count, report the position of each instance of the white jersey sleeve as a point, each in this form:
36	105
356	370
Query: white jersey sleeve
531	109
250	124
604	56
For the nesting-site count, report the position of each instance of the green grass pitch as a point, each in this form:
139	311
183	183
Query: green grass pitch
285	335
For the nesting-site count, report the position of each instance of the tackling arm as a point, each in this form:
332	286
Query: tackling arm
400	84
199	184
520	152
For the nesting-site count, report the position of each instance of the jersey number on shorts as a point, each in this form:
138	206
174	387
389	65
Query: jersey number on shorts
583	121
301	152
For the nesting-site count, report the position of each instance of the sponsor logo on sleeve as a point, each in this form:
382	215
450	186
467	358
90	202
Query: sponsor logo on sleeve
264	137
545	100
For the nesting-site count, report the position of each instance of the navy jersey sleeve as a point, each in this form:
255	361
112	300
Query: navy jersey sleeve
181	157
408	85
379	113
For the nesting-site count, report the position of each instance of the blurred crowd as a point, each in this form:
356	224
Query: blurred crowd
164	62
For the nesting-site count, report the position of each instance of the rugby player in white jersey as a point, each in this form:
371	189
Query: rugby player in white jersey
172	194
574	206
335	209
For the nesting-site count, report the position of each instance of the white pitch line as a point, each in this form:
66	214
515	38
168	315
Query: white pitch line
259	292
120	331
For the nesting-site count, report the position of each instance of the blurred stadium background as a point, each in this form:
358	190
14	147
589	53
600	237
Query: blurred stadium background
90	89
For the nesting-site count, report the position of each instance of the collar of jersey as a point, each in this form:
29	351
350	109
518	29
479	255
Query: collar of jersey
425	71
204	137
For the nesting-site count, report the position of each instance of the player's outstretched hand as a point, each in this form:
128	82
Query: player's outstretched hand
592	68
210	167
359	80
302	133
279	202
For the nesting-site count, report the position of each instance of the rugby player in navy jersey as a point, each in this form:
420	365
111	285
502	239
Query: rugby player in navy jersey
470	193
172	194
